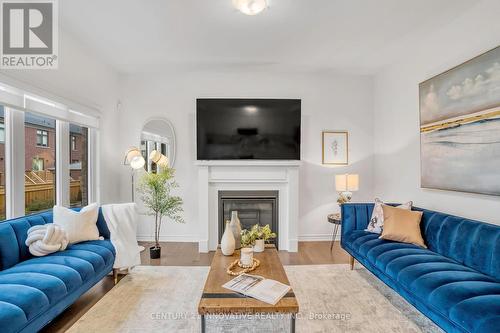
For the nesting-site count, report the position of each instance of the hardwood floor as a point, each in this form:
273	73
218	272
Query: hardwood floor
315	253
176	254
186	254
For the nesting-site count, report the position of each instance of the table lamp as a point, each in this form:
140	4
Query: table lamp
345	184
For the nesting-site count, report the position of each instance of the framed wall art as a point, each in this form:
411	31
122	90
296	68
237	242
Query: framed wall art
460	127
335	146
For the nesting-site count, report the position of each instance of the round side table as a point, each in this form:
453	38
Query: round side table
336	221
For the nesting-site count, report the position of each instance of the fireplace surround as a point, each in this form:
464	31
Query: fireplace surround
253	207
281	177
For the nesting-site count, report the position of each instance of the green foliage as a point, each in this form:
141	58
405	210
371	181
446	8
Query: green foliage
155	190
39	205
248	237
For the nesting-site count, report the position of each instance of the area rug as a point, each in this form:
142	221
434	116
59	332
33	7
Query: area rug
331	299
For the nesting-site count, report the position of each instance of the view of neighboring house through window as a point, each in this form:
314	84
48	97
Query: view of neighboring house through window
78	168
2	163
37	164
40	162
42	138
2	129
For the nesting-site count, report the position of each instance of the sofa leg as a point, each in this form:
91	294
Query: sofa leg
115	275
351	261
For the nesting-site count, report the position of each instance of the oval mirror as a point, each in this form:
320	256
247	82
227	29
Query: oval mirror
158	134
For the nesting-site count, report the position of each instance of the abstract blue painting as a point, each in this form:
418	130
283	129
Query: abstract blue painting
460	127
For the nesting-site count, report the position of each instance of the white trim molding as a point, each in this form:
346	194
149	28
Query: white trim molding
170	238
318	237
252	176
62	164
14	163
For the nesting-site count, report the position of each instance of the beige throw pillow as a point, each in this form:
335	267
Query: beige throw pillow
81	226
376	223
402	225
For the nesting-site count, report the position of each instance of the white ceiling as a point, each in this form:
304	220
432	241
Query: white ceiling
355	36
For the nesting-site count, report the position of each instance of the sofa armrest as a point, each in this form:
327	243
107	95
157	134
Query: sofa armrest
102	225
355	216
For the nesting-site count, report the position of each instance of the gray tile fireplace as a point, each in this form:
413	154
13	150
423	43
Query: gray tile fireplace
254	207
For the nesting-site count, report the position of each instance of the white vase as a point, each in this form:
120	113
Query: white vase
259	245
227	244
236	229
246	257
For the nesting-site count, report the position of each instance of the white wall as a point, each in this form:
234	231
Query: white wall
83	78
397	149
329	102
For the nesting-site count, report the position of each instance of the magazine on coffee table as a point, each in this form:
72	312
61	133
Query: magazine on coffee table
265	290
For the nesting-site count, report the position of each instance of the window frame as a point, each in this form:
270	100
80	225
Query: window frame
17	98
37	159
42	134
2	132
14	124
89	181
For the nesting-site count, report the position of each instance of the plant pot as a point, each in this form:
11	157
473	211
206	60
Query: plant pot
259	245
155	252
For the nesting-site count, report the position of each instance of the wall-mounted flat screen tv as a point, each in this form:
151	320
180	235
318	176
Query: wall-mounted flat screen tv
248	129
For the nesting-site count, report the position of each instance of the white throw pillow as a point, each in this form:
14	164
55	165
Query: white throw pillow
81	226
376	223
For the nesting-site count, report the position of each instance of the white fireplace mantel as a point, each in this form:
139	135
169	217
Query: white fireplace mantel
240	175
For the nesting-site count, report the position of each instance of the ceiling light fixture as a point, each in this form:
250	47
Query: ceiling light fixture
250	7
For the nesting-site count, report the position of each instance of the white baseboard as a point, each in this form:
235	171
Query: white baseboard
196	239
169	238
317	237
203	246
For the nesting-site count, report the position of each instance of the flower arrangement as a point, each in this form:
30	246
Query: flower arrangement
248	237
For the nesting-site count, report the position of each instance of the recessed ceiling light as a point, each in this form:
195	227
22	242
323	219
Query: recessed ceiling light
250	7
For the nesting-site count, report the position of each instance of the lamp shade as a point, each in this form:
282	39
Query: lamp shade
158	158
346	183
134	158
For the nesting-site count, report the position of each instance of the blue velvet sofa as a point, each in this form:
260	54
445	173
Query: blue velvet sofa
34	290
455	282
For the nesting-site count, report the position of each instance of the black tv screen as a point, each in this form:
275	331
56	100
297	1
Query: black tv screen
251	129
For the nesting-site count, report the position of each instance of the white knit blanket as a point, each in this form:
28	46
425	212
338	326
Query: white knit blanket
121	220
46	239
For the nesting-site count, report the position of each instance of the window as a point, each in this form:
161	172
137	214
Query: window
35	147
37	164
42	138
40	174
2	131
78	168
2	164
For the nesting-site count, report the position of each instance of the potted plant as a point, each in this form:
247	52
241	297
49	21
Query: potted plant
155	190
256	237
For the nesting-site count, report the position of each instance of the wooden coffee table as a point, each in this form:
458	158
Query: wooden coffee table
217	300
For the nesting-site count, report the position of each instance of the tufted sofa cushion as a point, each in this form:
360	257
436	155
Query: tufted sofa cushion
456	282
34	290
13	234
472	243
33	286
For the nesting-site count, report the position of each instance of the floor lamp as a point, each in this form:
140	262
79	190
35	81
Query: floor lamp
135	160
